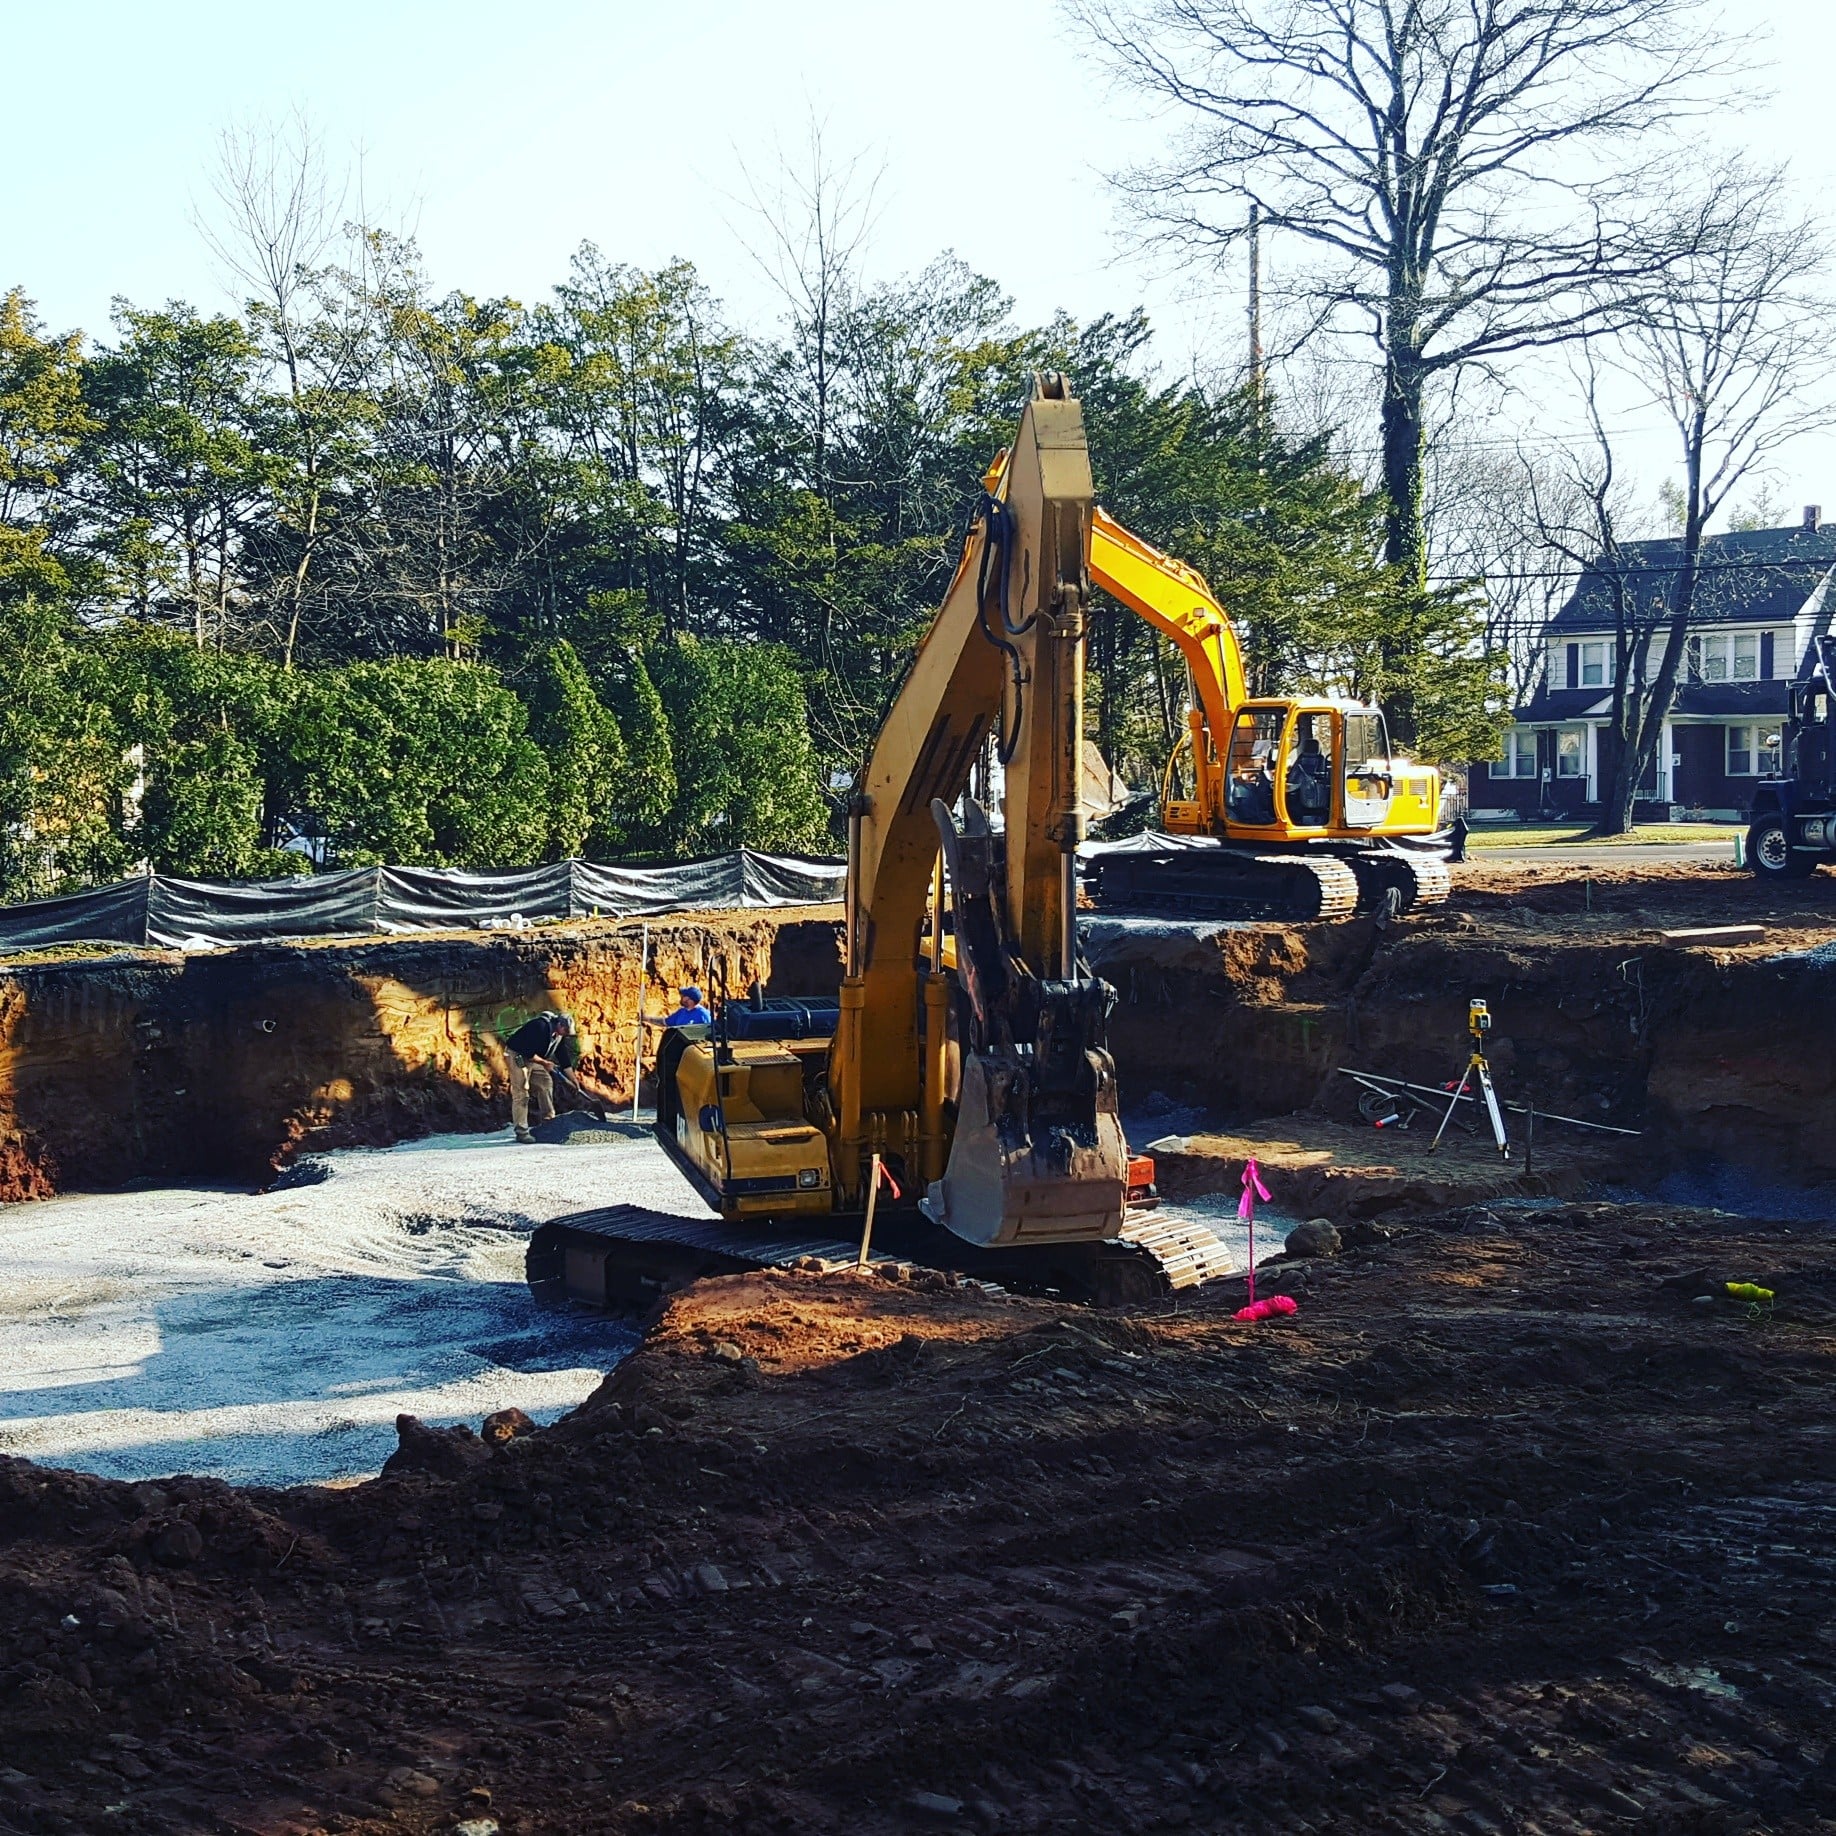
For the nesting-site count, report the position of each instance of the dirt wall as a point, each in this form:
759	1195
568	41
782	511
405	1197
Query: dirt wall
163	1066
1725	1055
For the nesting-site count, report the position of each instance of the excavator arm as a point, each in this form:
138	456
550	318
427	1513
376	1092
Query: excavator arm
1175	600
1034	1151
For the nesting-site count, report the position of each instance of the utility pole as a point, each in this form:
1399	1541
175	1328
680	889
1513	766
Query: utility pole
1255	307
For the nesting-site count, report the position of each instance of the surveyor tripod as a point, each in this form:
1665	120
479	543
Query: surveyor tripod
1479	1025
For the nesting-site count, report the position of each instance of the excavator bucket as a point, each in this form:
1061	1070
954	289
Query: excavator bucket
1008	1183
1038	1153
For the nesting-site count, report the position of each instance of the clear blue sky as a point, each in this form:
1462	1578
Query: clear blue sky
513	133
522	130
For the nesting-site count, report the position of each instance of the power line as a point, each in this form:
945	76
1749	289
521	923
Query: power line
1579	573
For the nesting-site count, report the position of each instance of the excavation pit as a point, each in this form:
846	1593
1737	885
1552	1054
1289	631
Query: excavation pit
1522	1514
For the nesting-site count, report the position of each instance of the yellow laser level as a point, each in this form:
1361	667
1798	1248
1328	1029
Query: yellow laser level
1479	1025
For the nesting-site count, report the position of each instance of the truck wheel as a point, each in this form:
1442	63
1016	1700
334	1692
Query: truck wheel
1770	853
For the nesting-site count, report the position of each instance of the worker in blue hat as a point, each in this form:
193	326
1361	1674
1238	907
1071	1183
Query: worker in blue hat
689	1010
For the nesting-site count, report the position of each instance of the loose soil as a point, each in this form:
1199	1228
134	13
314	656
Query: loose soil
1507	1528
1522	1522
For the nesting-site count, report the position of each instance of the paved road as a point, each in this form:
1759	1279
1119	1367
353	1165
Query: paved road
1698	853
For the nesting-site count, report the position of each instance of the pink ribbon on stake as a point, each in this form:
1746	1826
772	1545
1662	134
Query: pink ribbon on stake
1253	1189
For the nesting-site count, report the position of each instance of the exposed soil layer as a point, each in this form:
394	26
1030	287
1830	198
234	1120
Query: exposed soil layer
1343	1170
1521	1523
149	1066
158	1066
1713	1051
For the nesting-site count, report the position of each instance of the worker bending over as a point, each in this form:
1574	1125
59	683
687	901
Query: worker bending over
536	1050
541	1050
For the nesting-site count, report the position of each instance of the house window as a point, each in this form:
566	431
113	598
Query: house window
1719	656
1519	759
1571	752
1593	665
1753	751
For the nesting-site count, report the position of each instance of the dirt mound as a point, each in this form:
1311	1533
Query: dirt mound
1517	1518
579	1128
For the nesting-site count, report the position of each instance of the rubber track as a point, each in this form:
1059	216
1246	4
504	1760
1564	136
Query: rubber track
1289	888
1185	1255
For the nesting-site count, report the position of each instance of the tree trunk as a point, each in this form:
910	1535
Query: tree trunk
1405	545
1625	722
1405	537
1682	603
1621	789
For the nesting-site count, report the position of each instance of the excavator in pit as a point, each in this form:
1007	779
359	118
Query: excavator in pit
964	1072
965	1066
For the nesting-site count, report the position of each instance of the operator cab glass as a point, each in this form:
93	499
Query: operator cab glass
1255	750
1368	782
1307	781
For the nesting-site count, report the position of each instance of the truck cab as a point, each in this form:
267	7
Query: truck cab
1792	829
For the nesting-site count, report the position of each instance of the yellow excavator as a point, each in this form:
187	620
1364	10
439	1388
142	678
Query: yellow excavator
1268	807
966	1057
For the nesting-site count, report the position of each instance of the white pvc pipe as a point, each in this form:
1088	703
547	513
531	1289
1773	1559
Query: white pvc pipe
637	1056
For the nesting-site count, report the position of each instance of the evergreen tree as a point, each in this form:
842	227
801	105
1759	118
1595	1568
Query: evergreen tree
580	739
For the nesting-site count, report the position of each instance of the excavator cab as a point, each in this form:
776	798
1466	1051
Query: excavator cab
1289	761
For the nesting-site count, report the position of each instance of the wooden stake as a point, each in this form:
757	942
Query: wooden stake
873	1194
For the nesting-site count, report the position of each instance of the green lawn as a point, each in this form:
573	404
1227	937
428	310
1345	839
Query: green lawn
1534	834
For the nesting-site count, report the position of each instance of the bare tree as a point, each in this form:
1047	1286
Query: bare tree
1730	346
1462	169
1585	514
281	216
815	216
1486	524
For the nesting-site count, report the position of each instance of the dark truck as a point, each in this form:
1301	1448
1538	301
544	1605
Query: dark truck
1792	830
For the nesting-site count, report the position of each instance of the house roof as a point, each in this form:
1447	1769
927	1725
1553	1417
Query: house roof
1565	704
1733	698
1751	576
1722	700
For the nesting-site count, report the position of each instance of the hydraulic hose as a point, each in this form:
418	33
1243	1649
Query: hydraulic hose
997	533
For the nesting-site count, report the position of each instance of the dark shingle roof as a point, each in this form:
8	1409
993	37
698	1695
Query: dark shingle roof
1726	699
1734	698
1757	576
1562	704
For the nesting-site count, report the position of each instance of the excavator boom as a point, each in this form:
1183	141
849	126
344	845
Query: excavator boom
1035	1151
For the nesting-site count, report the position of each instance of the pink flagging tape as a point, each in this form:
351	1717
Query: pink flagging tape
1253	1188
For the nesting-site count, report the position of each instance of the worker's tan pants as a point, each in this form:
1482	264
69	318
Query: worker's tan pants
526	1081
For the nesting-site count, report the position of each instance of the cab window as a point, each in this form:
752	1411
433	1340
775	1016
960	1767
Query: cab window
1254	742
1309	778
